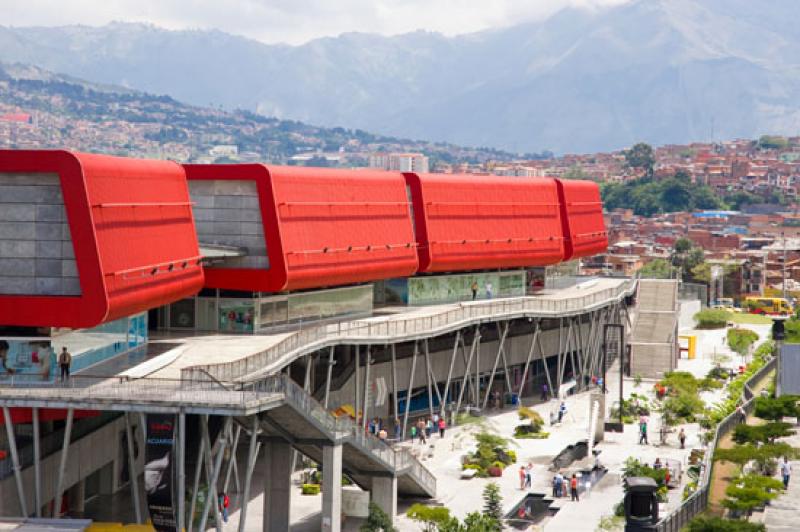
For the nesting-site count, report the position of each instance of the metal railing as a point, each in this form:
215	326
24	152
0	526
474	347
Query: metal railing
698	501
394	330
345	430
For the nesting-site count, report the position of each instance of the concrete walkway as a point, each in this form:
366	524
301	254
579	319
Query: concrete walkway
784	512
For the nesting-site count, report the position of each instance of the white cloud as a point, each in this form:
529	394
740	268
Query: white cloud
292	21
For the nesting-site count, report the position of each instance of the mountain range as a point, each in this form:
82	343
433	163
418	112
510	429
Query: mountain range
582	80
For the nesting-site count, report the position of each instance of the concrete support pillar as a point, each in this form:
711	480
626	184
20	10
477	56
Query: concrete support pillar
384	494
332	488
77	497
277	486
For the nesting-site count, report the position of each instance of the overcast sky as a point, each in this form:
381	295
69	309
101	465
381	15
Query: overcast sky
291	21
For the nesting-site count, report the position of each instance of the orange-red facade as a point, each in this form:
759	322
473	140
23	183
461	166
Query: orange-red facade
322	227
466	222
132	231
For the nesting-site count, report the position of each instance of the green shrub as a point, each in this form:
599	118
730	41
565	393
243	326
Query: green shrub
777	408
432	518
718	524
712	318
377	520
476	467
740	340
684	407
635	468
310	489
749	492
766	433
511	456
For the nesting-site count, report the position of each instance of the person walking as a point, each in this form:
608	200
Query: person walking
522	477
421	426
682	438
64	362
786	472
528	475
488	290
742	415
428	428
562	411
544	392
474	288
643	434
398	429
558	481
565	487
224	503
573	487
442	426
413	433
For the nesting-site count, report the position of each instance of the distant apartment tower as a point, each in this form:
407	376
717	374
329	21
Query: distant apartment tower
400	162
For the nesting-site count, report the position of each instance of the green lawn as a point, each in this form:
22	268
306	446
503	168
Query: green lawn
750	319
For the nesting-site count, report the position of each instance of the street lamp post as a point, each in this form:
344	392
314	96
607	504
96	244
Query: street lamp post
613	337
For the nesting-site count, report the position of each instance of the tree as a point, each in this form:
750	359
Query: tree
657	269
748	492
377	521
493	502
740	340
641	156
683	244
777	408
766	433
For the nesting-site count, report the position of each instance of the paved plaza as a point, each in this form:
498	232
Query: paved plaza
443	457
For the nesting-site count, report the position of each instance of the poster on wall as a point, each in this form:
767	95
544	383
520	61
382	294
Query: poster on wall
159	468
236	316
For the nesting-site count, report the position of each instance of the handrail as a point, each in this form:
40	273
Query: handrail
343	429
395	330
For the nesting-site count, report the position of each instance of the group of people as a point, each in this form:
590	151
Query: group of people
564	487
525	476
425	427
474	289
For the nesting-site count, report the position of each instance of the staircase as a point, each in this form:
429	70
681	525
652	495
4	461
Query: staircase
308	426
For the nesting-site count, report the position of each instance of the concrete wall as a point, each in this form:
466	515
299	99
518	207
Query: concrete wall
687	310
227	212
85	456
36	253
516	349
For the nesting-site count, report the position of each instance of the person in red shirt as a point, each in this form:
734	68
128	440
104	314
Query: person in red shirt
573	487
442	426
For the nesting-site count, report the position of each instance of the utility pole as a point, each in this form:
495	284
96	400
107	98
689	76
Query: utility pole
783	237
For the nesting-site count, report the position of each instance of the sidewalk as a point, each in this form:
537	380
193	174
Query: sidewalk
784	512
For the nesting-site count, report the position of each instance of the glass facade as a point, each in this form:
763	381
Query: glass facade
36	358
428	290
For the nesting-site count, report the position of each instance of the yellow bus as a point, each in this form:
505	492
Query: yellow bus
767	305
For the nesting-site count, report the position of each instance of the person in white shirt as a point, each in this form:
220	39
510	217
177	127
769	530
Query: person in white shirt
786	472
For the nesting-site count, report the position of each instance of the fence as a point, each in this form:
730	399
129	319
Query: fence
698	501
394	330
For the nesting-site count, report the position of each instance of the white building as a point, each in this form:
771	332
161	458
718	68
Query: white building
400	162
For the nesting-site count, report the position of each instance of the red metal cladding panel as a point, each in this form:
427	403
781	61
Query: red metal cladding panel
131	228
582	209
466	222
322	227
25	415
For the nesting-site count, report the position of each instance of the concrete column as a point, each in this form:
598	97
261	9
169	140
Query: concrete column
332	488
384	494
277	486
77	497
